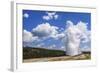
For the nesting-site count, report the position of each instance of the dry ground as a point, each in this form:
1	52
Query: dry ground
62	58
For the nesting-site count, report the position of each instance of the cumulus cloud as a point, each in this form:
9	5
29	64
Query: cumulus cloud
28	36
59	36
42	32
45	30
50	15
86	36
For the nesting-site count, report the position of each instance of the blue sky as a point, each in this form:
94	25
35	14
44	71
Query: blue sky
33	18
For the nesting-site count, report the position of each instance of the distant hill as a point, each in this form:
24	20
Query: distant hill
33	52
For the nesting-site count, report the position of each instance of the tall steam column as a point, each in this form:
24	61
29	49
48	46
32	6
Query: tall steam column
73	35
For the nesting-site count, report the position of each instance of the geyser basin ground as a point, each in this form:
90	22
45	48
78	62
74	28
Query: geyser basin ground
85	56
45	55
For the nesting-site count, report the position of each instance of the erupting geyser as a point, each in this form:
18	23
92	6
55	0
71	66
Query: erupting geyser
73	35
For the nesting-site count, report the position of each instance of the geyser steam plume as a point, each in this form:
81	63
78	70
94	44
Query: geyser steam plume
73	35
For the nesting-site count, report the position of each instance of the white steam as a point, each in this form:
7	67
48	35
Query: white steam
74	34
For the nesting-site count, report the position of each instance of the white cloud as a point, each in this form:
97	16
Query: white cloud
82	26
59	36
55	16
50	15
52	46
26	15
28	36
45	30
62	47
40	45
86	34
55	47
46	17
